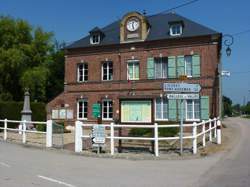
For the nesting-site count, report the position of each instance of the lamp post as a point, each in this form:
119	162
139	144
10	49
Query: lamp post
228	40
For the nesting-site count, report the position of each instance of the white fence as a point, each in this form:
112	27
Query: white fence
212	127
22	129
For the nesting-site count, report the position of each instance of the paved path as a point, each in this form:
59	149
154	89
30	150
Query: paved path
22	166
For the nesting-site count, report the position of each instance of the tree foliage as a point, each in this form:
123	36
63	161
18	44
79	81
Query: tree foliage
28	58
227	106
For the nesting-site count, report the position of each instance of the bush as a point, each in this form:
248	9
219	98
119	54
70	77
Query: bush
163	132
12	111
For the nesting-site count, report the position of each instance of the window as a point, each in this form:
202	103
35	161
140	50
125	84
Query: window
136	111
192	109
188	66
107	109
82	109
107	71
161	108
161	68
176	30
82	72
95	39
133	70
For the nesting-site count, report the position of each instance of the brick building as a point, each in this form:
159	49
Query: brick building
124	65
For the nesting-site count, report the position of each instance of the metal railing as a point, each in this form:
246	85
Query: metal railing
22	129
213	130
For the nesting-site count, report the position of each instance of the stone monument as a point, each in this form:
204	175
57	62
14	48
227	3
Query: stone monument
26	112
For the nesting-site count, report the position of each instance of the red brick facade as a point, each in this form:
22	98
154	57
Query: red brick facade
95	89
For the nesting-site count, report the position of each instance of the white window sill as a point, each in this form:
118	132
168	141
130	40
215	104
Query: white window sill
161	119
83	119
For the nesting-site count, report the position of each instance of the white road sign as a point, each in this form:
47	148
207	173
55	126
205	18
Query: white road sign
98	134
183	96
181	87
225	73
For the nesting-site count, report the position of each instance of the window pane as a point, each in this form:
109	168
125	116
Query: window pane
188	60
130	70
189	109
158	109
196	109
136	71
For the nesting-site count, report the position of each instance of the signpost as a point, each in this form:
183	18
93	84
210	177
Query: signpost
183	96
182	91
98	136
181	87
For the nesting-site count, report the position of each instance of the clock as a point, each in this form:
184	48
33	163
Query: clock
133	25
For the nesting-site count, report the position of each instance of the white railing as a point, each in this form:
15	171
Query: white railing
212	127
22	129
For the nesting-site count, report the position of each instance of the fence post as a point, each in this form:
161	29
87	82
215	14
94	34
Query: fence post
20	127
24	131
215	129
218	132
194	138
210	130
204	134
78	137
112	147
156	139
49	125
5	129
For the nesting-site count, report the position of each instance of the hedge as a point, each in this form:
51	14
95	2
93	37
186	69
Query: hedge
12	110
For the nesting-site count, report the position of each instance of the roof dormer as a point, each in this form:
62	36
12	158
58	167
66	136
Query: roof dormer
176	28
96	36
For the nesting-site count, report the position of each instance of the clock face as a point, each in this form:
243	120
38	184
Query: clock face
133	25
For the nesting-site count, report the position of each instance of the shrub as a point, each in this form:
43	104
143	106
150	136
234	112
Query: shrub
12	111
163	132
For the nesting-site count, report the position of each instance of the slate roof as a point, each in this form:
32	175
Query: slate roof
159	30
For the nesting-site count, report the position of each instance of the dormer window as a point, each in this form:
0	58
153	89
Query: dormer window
176	29
95	39
96	35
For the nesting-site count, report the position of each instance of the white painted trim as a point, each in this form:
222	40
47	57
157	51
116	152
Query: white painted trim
107	119
77	112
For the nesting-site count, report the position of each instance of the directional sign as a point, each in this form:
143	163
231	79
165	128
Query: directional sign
225	73
183	96
181	87
98	134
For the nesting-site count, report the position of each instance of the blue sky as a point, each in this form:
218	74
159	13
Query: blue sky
72	19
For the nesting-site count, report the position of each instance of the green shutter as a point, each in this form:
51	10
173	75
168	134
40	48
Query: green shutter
150	68
171	67
180	66
183	109
204	107
196	66
172	110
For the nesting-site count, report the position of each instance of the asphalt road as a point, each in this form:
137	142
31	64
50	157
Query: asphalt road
23	166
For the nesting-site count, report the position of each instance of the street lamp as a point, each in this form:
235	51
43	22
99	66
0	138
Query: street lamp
228	41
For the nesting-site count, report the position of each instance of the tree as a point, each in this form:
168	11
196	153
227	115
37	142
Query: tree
28	58
227	106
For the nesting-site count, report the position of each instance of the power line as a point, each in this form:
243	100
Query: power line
241	32
180	6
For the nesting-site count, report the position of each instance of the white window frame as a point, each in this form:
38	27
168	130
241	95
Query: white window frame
92	39
134	62
83	72
108	68
176	25
193	113
107	100
189	76
82	100
160	119
161	62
